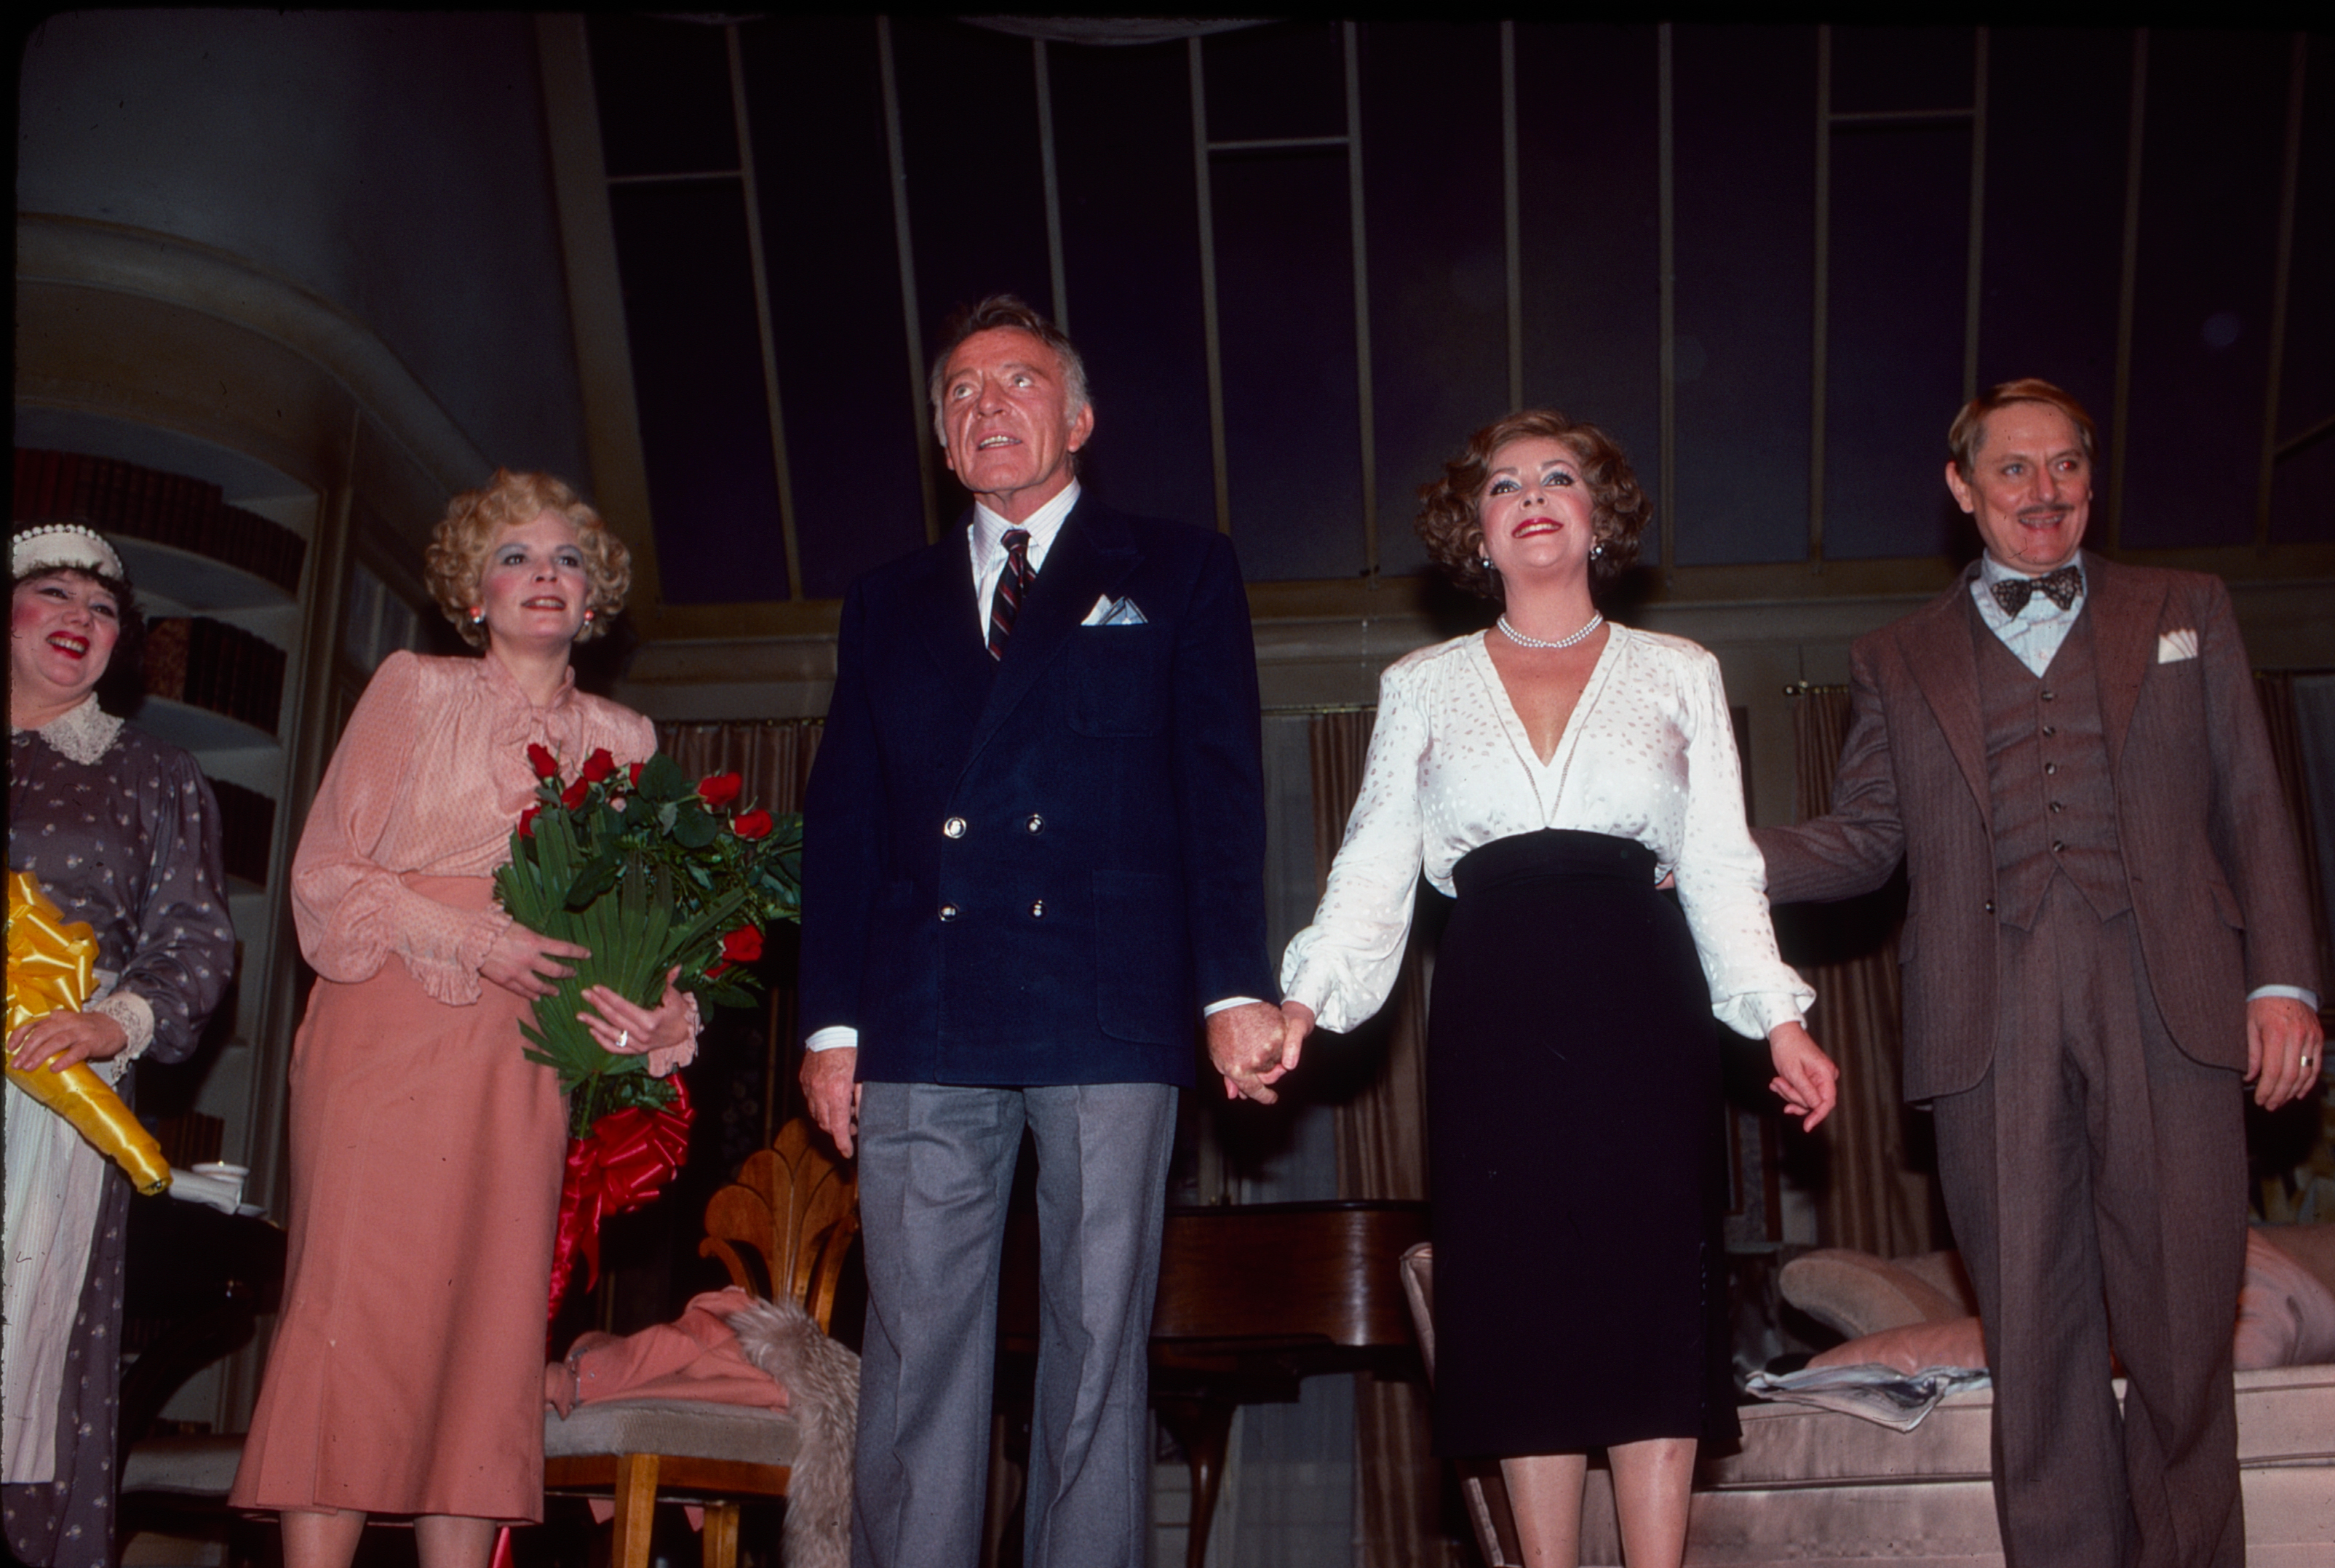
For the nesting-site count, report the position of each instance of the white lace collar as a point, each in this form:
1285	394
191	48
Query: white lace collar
83	734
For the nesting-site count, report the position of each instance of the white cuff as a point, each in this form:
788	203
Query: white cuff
834	1037
1215	1008
2303	994
135	1014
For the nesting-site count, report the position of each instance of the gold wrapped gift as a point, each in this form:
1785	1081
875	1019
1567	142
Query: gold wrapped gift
51	962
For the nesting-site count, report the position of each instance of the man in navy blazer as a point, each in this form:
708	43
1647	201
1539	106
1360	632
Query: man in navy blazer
1032	858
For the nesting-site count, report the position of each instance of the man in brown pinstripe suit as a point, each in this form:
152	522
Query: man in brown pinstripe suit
2107	937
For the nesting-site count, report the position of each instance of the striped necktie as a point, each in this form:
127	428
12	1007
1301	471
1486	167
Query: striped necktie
1013	588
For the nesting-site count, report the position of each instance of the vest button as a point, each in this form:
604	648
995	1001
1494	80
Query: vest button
949	911
2047	696
954	828
2050	767
2057	807
1989	906
2049	731
2057	847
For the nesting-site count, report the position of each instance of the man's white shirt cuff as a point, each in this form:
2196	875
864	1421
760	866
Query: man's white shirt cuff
2308	998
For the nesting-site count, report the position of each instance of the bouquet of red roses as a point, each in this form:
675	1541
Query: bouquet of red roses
649	871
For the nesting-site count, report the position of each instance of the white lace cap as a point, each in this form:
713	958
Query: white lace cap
53	545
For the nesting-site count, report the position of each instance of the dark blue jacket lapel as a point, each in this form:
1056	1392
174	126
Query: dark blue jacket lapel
949	623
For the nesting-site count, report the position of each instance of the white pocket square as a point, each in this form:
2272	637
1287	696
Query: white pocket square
2172	647
1110	612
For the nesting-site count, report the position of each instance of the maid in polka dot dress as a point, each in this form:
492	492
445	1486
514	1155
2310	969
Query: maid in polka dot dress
122	832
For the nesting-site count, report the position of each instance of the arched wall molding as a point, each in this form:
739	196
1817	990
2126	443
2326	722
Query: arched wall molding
346	366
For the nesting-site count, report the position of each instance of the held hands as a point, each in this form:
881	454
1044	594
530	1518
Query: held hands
526	963
2283	1047
65	1039
830	1091
1250	1050
1807	1080
667	1032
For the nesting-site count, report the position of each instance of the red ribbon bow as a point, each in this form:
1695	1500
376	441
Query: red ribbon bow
622	1165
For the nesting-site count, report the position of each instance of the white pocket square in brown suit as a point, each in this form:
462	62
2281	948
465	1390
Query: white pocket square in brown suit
2172	647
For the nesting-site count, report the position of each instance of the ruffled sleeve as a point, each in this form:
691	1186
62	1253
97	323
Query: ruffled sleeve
353	913
1345	963
1722	882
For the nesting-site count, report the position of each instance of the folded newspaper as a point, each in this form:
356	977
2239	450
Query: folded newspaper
1872	1392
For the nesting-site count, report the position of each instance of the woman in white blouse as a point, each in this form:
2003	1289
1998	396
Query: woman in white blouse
1554	773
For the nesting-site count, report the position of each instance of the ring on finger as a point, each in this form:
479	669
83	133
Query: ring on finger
624	1039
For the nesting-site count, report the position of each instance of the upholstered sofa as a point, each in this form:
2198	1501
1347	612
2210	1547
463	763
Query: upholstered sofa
1815	1486
1821	1489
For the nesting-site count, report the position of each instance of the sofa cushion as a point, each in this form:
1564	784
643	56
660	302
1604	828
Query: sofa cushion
2286	1316
1855	1293
2283	1419
1915	1348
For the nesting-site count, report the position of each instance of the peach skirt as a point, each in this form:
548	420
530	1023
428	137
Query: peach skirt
406	1375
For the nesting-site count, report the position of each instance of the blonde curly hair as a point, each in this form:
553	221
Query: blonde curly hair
457	561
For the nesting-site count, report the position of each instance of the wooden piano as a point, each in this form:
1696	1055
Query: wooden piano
1252	1298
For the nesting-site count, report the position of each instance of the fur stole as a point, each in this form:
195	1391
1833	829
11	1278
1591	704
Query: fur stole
822	1383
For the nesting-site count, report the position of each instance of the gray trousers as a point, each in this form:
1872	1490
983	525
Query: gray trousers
2096	1178
936	1170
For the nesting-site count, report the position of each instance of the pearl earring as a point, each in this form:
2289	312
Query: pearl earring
478	616
1596	551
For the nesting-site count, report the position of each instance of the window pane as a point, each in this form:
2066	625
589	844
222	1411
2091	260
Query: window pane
976	183
1438	266
1589	191
2302	485
2216	138
1745	194
1130	246
835	296
1285	79
697	369
2058	105
1900	261
1892	69
1285	275
664	89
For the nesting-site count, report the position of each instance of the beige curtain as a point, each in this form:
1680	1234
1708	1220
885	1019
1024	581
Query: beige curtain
1383	1154
772	755
1881	1198
774	758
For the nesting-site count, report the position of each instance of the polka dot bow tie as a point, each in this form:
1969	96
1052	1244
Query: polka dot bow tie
2062	588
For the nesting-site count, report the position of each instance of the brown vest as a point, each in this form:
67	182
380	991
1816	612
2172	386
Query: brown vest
2047	765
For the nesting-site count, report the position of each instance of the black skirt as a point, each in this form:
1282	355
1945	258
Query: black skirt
1574	1141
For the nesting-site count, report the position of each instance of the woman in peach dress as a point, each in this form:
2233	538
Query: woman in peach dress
426	1150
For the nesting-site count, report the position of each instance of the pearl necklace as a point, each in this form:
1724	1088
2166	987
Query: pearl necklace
1518	638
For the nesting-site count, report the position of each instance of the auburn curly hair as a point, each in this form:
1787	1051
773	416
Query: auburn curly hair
1451	526
457	561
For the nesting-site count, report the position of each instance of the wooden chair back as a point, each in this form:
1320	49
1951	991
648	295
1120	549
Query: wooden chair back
795	1208
792	1210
